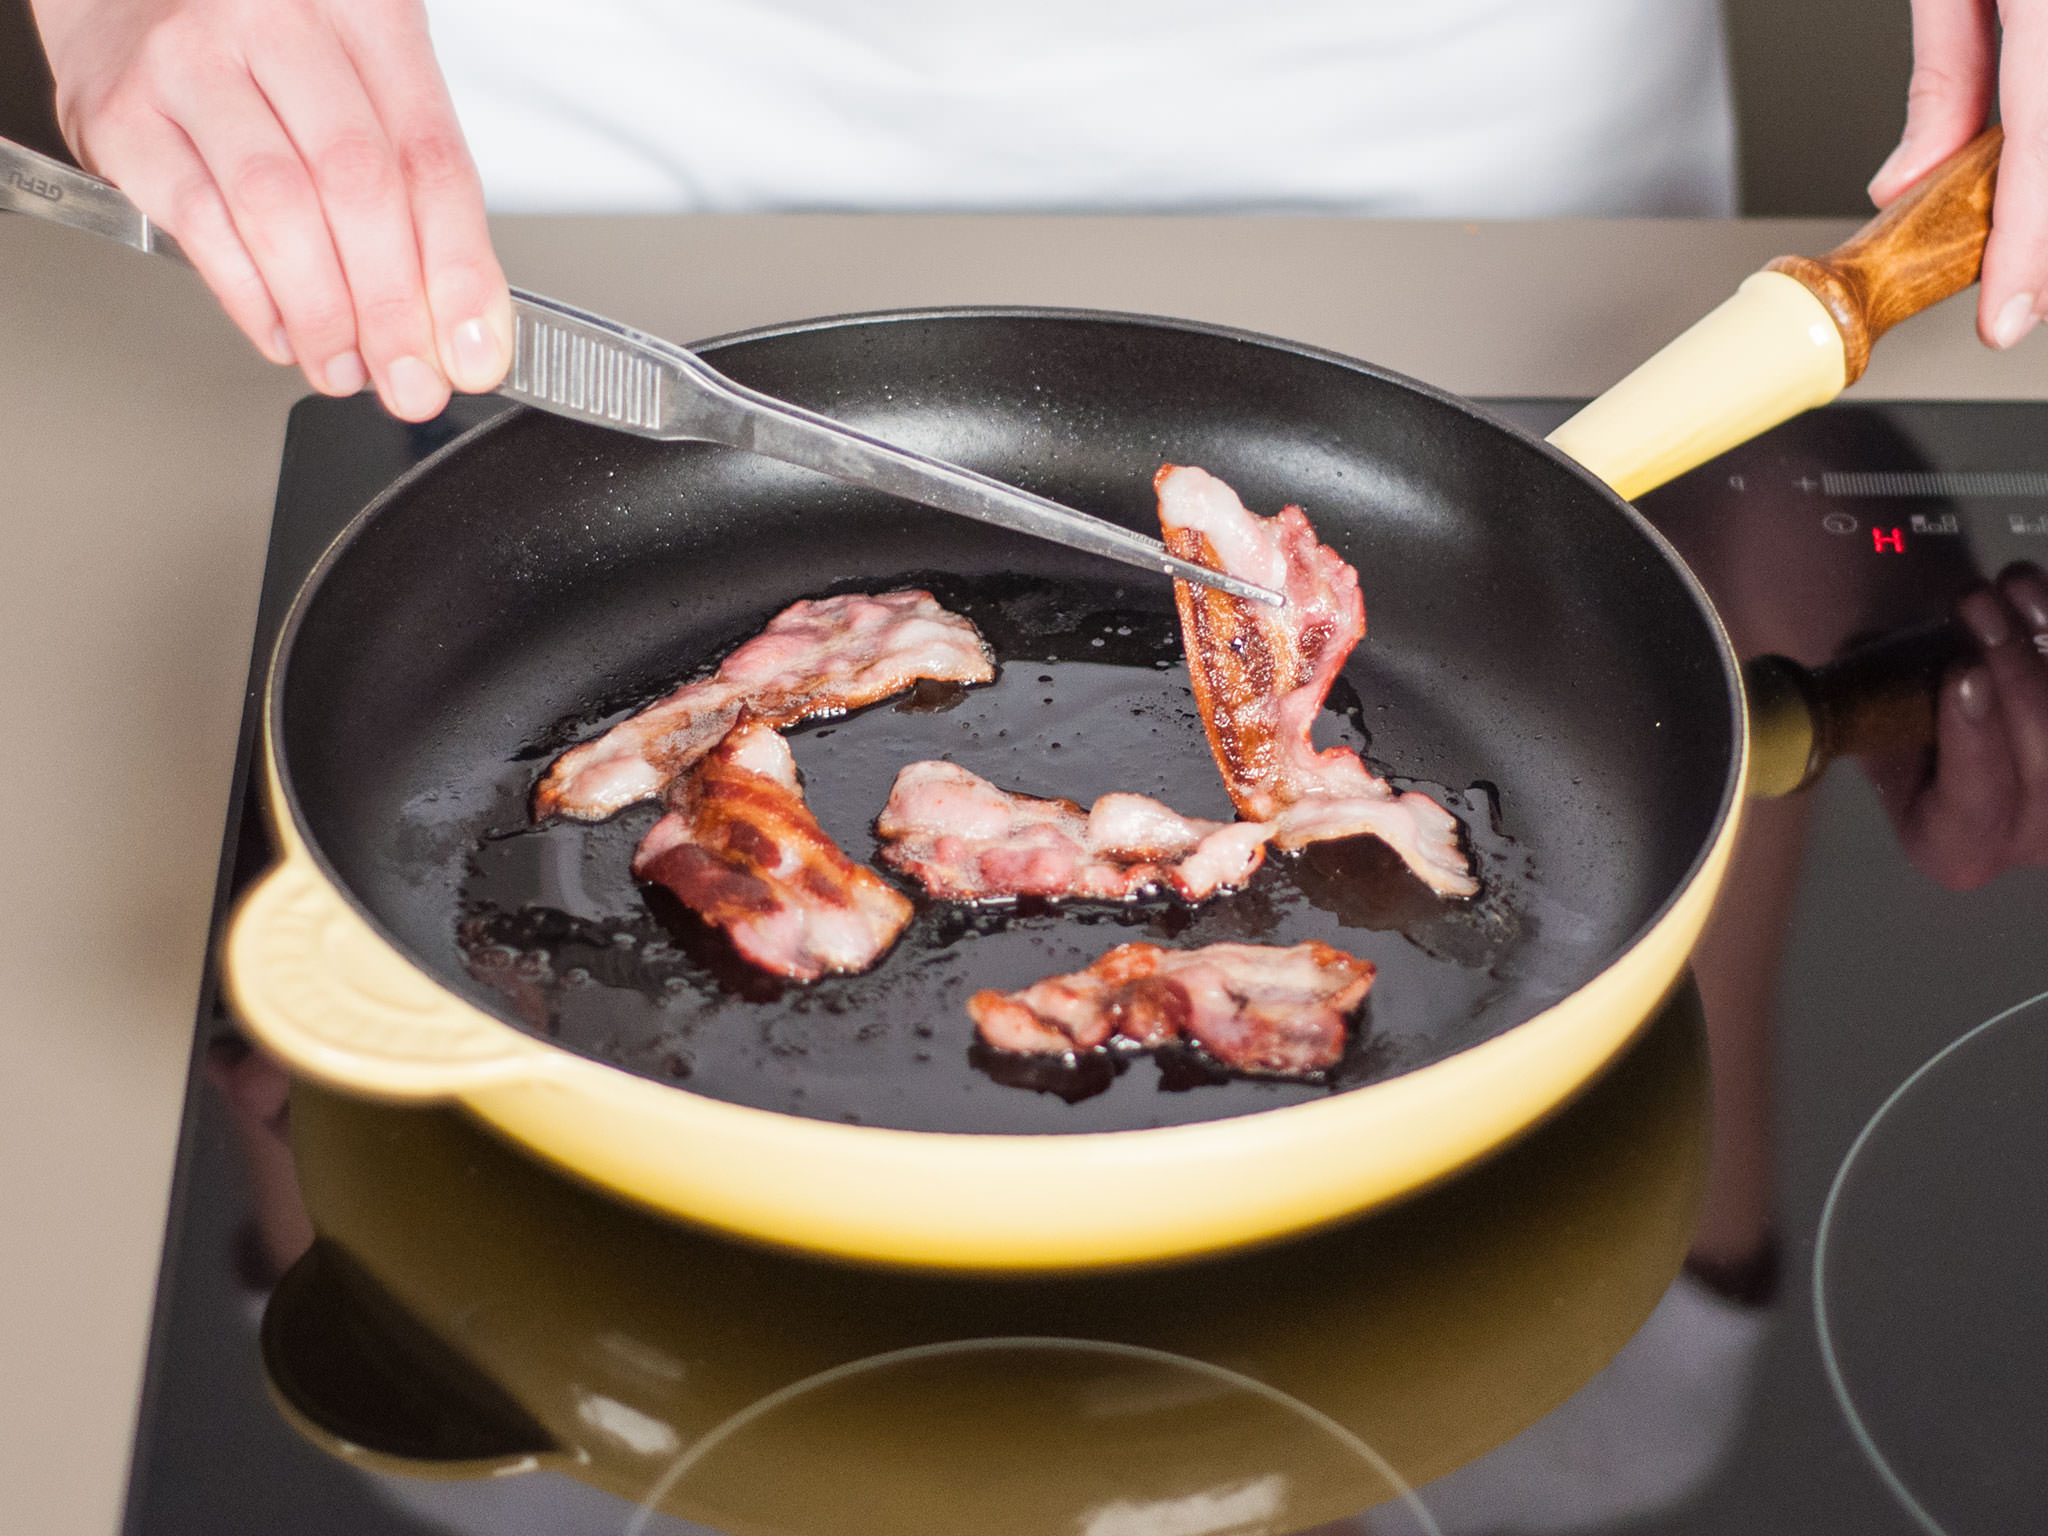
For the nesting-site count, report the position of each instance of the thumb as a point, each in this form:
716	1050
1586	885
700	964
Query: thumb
1955	50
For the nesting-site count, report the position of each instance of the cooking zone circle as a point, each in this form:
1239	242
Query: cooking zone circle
1933	1223
1030	1434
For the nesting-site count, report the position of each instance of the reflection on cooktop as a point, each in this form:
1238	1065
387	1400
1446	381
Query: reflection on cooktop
1136	1441
467	1315
1937	1220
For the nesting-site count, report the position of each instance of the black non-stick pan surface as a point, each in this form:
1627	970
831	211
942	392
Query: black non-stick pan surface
1533	651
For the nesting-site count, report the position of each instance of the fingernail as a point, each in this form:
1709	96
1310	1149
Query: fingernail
2032	601
281	347
1985	615
416	389
1885	170
2015	319
345	374
1973	692
479	360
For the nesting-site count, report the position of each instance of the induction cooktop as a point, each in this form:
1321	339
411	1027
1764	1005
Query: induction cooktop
1779	1270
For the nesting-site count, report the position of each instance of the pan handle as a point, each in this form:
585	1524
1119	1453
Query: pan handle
1793	336
1926	247
315	983
1875	696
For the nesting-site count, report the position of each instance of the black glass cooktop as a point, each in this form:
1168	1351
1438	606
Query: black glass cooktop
381	1320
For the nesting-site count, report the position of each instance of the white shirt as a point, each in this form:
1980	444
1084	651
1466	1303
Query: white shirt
1445	108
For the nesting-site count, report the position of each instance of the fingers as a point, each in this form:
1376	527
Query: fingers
1965	817
1953	821
2019	670
157	165
1954	49
2015	278
353	175
307	156
1978	803
466	291
1960	47
276	211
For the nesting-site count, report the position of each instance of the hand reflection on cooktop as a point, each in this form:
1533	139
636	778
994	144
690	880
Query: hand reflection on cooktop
1965	808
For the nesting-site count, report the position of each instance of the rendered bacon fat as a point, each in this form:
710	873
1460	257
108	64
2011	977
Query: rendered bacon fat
1253	1007
966	840
1261	675
741	849
814	658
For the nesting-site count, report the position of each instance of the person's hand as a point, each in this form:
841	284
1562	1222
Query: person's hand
1958	59
306	156
1978	802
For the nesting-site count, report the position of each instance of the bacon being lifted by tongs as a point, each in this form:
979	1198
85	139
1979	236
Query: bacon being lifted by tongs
1253	1007
1261	676
814	658
966	840
741	849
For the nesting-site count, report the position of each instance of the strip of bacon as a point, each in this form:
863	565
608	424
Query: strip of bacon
1261	676
966	840
1253	1007
814	658
741	849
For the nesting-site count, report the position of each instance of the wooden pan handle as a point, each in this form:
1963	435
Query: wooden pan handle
1878	695
1927	245
1793	336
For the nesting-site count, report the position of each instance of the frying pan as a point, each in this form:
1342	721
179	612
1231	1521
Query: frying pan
1536	650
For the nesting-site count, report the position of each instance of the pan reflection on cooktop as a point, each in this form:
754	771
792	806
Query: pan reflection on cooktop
468	1315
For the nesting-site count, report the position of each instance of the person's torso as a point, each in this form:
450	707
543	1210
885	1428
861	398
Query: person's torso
1471	108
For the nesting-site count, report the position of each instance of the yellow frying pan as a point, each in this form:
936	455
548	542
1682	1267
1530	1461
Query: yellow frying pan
1532	637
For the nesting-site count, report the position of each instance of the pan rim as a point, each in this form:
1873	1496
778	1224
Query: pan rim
293	822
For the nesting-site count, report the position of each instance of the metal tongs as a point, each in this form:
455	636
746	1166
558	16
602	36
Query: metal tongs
591	369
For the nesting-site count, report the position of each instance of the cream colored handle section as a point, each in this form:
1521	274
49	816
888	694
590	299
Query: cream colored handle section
321	988
1767	354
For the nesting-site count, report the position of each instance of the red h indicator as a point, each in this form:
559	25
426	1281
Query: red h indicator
1882	539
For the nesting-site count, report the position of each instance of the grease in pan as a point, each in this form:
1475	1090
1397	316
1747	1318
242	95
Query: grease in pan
791	902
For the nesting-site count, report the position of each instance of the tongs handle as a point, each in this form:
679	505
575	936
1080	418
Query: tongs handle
583	366
1927	246
43	188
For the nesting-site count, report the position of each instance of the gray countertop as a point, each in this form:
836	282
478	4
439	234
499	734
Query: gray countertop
141	435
